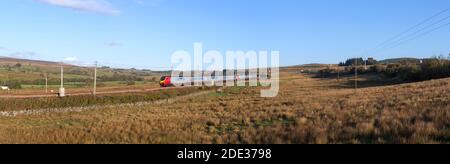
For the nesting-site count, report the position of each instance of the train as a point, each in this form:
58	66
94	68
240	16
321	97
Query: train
165	81
169	81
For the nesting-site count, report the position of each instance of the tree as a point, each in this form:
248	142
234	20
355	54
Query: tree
14	85
131	83
441	57
371	61
354	61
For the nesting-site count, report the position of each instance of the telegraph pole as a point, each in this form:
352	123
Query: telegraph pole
46	82
356	73
62	91
95	79
365	64
339	74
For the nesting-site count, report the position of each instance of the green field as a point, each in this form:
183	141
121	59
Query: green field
29	74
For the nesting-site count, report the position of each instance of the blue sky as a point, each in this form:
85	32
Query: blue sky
144	33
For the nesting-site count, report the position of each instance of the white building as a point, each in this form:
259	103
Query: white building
4	88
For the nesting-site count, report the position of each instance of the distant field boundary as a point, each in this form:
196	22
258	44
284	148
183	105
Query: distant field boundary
6	96
99	107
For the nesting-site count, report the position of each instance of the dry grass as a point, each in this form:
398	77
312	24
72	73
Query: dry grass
78	90
307	110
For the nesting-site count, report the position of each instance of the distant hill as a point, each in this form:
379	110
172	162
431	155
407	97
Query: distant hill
32	72
314	65
400	60
13	61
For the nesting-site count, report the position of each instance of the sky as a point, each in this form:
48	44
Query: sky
145	33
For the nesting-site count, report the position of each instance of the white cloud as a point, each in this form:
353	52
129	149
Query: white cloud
70	60
94	6
23	55
4	48
153	3
18	54
139	2
77	62
114	44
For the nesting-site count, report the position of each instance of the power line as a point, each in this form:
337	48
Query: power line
93	64
411	28
418	36
106	64
405	35
109	64
413	35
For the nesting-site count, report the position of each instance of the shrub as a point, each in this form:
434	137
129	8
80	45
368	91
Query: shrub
14	84
83	101
429	69
131	83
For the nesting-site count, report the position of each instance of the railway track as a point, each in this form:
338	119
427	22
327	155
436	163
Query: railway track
233	79
85	93
96	107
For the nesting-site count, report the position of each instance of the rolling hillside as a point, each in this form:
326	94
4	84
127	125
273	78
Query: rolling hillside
307	110
31	74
